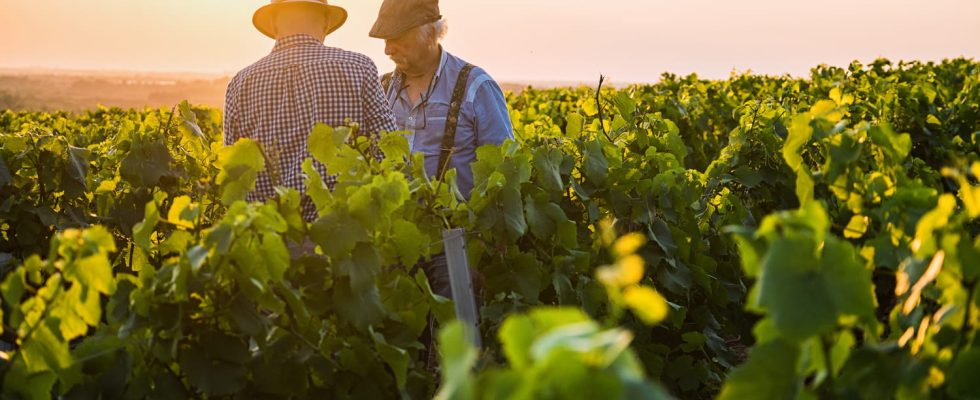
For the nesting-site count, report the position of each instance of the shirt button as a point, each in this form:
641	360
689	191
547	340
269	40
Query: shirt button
411	120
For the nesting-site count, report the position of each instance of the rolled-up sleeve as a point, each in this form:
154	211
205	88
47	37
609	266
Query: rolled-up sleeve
493	124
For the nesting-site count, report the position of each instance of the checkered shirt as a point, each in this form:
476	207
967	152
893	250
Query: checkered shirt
279	99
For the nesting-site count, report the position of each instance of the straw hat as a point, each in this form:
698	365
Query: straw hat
398	16
264	18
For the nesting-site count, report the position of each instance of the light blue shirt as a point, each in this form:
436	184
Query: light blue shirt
483	117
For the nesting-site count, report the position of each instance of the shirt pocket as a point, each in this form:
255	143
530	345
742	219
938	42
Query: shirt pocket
429	140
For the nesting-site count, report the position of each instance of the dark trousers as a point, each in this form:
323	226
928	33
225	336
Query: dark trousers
437	274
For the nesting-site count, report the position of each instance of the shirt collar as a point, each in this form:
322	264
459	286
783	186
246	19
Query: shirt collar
295	40
443	57
442	62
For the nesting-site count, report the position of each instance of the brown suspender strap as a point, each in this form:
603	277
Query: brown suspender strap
452	120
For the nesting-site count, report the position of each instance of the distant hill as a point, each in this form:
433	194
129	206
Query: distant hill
51	90
75	91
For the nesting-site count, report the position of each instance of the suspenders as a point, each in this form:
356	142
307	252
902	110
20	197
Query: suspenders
452	119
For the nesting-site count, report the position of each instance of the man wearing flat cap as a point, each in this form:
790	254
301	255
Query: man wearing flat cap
449	106
278	100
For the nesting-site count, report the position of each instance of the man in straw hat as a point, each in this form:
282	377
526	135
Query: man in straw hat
450	106
279	99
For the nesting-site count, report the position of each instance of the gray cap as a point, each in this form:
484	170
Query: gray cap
399	16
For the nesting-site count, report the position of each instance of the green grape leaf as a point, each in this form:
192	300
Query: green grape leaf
151	217
219	237
409	241
197	256
963	382
220	346
315	186
239	166
856	227
213	377
5	176
246	318
935	219
394	146
596	165
769	374
146	163
166	386
94	272
880	372
646	304
325	143
671	141
518	332
69	325
896	146
33	386
100	239
88	306
457	357
362	308
287	379
77	167
663	236
189	120
513	210
44	350
396	358
568	234
792	289
183	213
625	104
364	265
337	234
276	256
574	124
538	219
547	168
848	282
844	150
800	133
805	295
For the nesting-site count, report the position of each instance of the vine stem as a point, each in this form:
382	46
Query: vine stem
598	106
30	332
132	248
40	178
165	130
825	344
967	326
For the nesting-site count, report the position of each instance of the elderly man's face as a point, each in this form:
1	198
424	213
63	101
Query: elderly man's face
408	50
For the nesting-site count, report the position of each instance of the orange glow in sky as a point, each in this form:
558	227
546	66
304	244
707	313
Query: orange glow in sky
515	40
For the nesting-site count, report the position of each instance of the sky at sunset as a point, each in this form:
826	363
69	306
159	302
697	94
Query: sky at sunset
515	40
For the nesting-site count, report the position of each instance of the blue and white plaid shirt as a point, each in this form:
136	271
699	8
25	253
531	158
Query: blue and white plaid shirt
279	99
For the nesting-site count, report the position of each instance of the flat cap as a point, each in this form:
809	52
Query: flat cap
398	16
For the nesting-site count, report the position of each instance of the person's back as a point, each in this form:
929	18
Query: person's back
278	100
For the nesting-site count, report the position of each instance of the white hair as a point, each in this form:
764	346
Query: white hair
433	32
